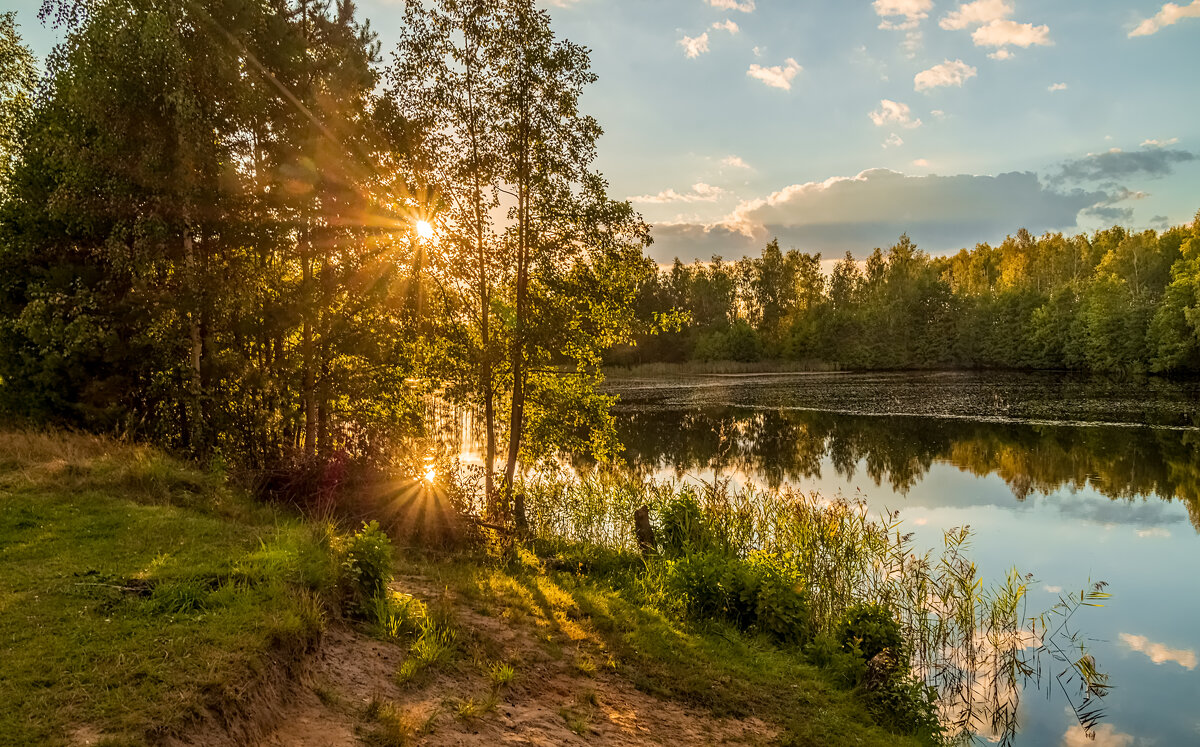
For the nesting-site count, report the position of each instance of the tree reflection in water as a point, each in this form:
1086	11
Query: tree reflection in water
778	446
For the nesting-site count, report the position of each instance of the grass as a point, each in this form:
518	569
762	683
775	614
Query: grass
716	668
136	592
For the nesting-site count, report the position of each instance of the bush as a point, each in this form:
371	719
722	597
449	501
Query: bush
750	594
869	629
683	528
696	581
366	567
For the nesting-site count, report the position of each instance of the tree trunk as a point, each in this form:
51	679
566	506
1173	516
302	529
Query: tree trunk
308	392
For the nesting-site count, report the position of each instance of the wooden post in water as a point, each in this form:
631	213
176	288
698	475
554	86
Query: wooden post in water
645	532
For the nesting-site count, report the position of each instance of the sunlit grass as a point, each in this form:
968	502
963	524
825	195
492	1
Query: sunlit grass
130	599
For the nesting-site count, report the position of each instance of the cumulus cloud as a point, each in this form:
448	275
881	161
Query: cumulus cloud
873	208
734	162
1005	33
893	112
946	74
1159	143
1168	16
694	46
976	14
994	28
911	11
700	192
726	25
893	141
776	76
1056	87
1120	164
745	6
1159	653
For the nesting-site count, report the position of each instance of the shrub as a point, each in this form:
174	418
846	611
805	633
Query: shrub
366	567
782	611
870	629
696	581
683	527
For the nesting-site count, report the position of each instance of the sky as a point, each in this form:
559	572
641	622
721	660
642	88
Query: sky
837	125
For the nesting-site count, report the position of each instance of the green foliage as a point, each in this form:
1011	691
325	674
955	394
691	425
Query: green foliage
869	630
751	594
366	569
1112	302
683	528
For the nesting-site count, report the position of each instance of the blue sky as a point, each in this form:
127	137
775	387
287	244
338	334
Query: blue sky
837	124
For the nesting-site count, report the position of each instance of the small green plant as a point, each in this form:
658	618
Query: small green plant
366	567
180	597
395	615
391	726
436	646
501	674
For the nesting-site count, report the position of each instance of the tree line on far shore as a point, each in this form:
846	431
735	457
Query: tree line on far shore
1116	301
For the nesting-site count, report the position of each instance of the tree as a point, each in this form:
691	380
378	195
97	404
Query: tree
18	76
498	98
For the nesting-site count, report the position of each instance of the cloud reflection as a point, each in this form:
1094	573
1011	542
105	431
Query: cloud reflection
1106	735
1158	652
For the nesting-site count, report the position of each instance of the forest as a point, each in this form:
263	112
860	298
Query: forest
244	230
1114	302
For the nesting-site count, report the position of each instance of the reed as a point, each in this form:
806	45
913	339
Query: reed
975	644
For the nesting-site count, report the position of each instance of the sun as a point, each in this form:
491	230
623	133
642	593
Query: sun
424	229
430	474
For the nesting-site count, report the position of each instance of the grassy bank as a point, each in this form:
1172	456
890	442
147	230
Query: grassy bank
142	599
139	596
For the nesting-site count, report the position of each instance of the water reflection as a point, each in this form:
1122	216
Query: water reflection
777	446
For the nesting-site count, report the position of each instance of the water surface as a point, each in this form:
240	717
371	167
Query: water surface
1070	478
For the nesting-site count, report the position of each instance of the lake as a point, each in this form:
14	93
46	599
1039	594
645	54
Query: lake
1067	477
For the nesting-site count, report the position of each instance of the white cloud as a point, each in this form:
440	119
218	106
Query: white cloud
938	113
976	14
946	74
912	11
694	46
745	6
1003	33
921	163
1159	143
1057	87
1053	589
893	141
1168	16
893	112
700	192
1001	54
939	212
1159	653
726	25
776	76
758	52
734	162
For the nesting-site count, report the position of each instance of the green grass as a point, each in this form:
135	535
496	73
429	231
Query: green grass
135	592
715	667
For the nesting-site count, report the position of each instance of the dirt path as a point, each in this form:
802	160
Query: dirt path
553	700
